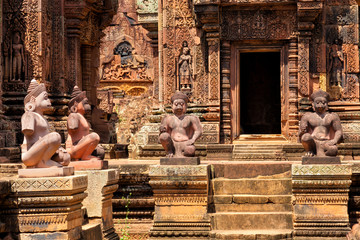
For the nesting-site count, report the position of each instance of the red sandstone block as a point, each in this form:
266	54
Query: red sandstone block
45	172
89	165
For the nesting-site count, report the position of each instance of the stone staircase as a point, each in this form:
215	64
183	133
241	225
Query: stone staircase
251	201
258	152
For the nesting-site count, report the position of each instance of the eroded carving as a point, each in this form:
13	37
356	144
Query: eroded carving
336	65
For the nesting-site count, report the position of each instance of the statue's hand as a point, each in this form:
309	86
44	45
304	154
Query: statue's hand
162	129
190	142
331	142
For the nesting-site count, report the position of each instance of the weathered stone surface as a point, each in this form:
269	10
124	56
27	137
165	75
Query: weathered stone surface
89	165
45	208
180	161
181	199
98	203
321	195
45	172
91	232
250	186
320	160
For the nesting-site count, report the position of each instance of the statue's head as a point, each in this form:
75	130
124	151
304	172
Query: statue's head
320	101
16	37
185	48
179	103
79	101
37	97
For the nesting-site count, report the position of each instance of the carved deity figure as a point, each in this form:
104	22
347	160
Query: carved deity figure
17	57
336	66
185	62
41	148
179	132
81	144
320	131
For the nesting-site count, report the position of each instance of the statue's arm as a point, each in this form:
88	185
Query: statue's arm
197	128
336	124
73	122
164	124
28	124
304	123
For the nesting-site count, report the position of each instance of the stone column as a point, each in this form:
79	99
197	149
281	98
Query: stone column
321	195
45	208
181	199
98	203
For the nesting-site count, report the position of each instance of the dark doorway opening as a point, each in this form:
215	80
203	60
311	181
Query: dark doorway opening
260	104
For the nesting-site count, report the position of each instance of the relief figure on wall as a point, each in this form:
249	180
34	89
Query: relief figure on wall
336	65
17	57
185	63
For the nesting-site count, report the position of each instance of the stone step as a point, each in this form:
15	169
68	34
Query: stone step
243	169
222	186
279	234
251	199
251	220
258	157
252	207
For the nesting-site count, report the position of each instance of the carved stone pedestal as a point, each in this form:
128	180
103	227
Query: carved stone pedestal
181	199
89	165
98	203
321	195
45	208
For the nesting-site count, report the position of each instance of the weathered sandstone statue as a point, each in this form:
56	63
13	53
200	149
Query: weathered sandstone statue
41	148
320	131
179	132
81	144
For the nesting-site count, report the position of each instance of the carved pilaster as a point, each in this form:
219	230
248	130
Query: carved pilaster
321	195
225	126
307	14
292	110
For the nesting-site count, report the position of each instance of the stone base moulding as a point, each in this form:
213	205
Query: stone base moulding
45	172
181	201
321	195
89	165
45	208
98	203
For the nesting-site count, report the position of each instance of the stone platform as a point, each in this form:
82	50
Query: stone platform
321	196
181	201
45	208
45	172
320	160
180	161
98	203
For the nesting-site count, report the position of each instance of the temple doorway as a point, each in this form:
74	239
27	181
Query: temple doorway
260	93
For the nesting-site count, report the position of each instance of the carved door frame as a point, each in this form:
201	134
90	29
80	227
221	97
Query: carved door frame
236	50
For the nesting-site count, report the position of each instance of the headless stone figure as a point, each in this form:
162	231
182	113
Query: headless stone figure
320	131
81	144
41	148
179	132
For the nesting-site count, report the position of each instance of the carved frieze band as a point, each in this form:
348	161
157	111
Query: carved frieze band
330	199
258	24
314	170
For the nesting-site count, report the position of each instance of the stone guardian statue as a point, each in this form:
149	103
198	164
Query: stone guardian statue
40	148
179	132
320	131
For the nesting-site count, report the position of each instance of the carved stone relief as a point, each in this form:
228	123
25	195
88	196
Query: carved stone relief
258	24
